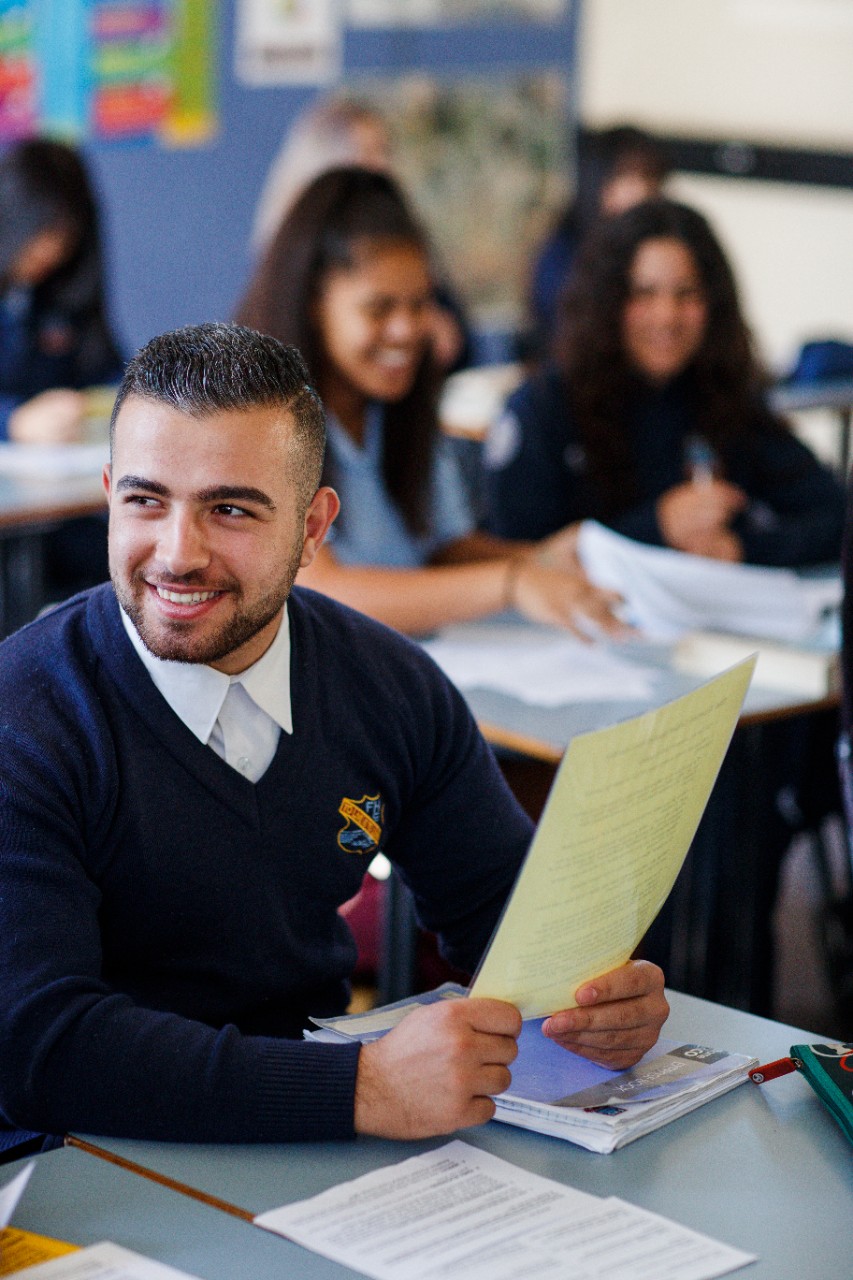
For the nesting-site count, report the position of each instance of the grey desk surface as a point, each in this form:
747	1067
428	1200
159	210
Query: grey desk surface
72	1196
765	1169
545	732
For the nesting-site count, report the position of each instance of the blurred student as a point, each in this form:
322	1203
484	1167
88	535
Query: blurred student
347	281
653	417
332	133
55	337
616	168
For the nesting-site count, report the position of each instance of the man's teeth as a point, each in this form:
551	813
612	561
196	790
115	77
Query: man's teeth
185	597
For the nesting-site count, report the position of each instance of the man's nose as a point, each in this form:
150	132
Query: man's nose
182	547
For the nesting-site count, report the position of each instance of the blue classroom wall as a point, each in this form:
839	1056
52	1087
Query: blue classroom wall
177	222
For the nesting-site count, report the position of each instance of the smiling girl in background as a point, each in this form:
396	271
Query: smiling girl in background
348	280
653	418
55	338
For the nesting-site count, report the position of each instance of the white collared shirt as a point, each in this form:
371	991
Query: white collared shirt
240	717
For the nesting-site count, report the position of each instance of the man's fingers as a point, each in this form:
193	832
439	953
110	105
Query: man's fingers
636	978
495	1017
618	1018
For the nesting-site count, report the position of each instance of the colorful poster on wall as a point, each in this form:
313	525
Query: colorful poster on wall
109	70
433	13
471	145
18	75
288	42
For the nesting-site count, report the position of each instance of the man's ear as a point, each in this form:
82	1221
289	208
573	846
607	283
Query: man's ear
106	480
323	508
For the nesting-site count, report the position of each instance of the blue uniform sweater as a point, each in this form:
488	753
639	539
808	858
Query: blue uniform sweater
538	480
167	926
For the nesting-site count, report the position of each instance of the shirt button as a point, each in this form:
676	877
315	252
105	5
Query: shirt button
244	764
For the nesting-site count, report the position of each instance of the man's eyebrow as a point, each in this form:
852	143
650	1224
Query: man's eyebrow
139	482
216	493
236	493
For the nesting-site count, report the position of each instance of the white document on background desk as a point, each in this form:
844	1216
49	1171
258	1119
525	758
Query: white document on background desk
463	1213
52	461
104	1261
537	665
669	592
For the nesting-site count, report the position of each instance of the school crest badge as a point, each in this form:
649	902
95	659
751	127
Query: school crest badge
362	829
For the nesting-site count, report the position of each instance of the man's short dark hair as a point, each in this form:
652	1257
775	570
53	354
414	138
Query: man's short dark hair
205	368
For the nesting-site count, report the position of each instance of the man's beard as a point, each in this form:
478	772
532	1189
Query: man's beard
178	644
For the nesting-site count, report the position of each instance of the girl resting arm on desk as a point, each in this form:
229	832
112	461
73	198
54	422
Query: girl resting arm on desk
347	280
55	338
652	418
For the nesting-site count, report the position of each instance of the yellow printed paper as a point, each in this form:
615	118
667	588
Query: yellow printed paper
622	812
20	1249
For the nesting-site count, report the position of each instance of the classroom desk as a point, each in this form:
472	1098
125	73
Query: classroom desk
75	1198
30	508
765	1169
836	395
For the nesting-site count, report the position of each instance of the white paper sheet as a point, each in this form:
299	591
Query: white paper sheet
104	1261
460	1212
669	592
542	667
11	1194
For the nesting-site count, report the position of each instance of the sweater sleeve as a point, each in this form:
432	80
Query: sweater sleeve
795	515
79	1053
8	405
532	487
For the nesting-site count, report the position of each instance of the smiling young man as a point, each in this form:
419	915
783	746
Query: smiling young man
196	763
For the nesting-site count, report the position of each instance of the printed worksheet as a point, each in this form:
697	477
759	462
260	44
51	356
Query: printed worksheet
462	1212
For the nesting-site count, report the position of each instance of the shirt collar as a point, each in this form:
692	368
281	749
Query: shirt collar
196	692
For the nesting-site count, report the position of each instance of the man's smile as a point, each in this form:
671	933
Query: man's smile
184	597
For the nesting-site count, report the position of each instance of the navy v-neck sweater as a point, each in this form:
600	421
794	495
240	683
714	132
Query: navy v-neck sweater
166	926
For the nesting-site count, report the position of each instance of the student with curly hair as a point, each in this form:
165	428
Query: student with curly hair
653	417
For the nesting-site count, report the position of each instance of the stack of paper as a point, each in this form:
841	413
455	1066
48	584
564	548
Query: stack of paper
814	673
556	1092
539	666
668	592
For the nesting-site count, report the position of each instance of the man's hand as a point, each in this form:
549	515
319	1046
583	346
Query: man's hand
437	1070
619	1018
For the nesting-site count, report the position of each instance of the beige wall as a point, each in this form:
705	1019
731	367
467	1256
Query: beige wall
774	71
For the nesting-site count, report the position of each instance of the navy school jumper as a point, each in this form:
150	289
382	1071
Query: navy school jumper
166	926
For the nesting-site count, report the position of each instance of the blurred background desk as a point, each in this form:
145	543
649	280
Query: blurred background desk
836	396
30	508
766	1170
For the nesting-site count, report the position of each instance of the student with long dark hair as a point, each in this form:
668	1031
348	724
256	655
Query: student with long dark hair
653	417
347	280
55	337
